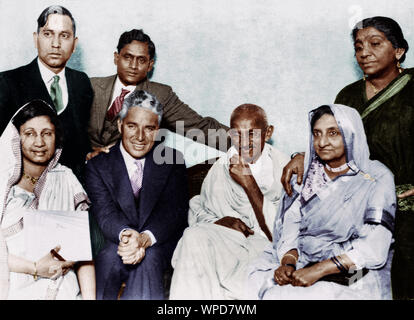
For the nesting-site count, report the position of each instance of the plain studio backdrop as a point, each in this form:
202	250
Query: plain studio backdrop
285	56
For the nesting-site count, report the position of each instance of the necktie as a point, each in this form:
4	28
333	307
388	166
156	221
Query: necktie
116	105
136	178
56	94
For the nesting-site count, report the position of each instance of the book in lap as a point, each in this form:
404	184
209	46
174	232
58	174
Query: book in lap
44	230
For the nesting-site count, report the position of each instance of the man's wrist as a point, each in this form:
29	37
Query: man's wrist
151	237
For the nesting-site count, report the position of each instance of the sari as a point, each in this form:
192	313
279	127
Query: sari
352	214
56	189
388	119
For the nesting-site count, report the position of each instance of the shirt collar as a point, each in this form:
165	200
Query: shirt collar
129	160
119	86
47	75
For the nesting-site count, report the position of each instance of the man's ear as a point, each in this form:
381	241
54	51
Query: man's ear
116	57
35	35
269	132
75	43
151	65
119	122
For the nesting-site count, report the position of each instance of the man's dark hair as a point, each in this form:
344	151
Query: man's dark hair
318	113
137	35
37	108
41	21
387	26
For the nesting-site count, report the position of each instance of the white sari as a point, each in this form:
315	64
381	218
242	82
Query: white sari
56	189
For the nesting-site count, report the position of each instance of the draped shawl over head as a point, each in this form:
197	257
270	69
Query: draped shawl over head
56	189
336	213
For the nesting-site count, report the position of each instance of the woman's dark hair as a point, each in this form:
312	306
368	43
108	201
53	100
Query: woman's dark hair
37	108
387	26
138	35
318	113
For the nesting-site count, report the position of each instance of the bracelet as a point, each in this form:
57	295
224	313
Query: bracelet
341	261
290	265
35	273
291	255
339	265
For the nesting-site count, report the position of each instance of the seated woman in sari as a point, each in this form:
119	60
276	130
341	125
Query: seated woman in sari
332	237
385	99
32	178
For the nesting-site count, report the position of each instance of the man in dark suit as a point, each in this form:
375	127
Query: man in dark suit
140	199
134	61
48	78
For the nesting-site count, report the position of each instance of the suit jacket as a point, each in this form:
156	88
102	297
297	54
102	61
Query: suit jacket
163	202
25	83
174	110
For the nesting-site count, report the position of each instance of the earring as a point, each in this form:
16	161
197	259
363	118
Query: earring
364	77
399	66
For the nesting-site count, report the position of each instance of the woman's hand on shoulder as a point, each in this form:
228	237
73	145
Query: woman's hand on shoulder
294	166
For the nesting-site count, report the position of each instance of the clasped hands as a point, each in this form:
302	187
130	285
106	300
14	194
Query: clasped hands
132	246
304	277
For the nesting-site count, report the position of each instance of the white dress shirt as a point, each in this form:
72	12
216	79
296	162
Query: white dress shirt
118	89
131	167
47	77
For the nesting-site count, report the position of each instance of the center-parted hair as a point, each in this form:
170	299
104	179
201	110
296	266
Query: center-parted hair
318	113
38	108
389	27
143	99
138	35
42	20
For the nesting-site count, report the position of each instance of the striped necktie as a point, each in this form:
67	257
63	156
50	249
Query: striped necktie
56	94
116	105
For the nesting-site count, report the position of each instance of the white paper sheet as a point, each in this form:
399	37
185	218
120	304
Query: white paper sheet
44	230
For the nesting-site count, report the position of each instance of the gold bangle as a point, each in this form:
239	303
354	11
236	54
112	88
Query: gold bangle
35	273
291	255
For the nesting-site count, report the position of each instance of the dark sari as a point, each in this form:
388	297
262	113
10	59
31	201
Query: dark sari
390	135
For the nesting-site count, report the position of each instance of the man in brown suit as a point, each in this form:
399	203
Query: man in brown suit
134	60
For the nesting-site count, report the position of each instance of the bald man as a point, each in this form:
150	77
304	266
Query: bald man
230	222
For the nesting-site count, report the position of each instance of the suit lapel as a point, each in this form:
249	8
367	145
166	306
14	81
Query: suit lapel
118	175
71	90
143	85
154	179
34	85
103	96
